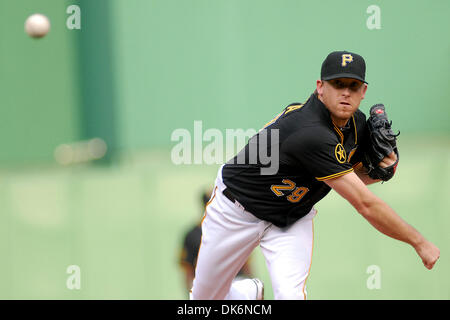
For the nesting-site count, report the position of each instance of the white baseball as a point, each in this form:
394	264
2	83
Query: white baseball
37	25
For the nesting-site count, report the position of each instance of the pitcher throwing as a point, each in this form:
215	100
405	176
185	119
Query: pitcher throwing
322	144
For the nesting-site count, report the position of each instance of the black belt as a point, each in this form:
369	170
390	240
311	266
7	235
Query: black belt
227	193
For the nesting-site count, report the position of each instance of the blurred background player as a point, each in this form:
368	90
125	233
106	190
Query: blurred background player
191	245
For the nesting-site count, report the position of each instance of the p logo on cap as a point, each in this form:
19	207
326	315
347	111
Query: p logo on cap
346	58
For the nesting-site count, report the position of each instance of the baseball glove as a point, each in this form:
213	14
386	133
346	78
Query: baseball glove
382	143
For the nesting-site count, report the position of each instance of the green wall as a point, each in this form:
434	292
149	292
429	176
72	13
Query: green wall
137	69
235	64
40	95
97	81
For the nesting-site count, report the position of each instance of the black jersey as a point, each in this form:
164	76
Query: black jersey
311	149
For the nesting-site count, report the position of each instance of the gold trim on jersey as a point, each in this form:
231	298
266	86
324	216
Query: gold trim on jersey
356	132
204	215
350	155
203	219
357	165
293	107
340	133
310	260
334	175
273	120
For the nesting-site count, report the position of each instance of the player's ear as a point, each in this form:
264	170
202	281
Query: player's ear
319	87
364	90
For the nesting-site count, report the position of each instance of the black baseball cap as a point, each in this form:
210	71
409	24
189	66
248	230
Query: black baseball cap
343	64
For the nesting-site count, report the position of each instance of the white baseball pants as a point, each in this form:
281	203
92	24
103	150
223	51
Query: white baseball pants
229	235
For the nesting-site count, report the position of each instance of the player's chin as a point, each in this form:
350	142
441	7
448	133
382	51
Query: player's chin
350	109
345	113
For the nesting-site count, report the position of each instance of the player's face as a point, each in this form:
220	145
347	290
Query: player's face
342	97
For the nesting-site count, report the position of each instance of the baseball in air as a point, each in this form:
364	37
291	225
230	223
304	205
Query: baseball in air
37	25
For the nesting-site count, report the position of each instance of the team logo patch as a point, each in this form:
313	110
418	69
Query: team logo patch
346	58
340	154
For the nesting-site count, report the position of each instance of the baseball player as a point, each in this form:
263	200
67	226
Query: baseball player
322	144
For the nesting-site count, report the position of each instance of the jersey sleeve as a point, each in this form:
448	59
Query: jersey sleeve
320	153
